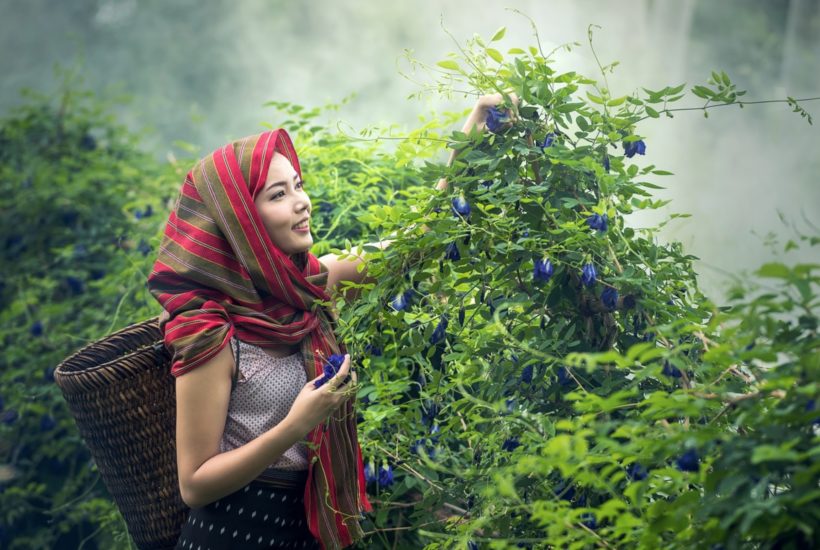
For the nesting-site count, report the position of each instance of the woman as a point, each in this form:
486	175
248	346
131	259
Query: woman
265	458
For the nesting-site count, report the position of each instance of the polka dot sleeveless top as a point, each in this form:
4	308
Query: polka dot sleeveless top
266	388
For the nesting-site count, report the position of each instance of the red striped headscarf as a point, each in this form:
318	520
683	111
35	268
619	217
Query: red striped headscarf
219	275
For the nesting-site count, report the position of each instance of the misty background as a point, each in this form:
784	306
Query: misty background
200	71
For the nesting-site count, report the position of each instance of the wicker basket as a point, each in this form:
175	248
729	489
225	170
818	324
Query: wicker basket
121	394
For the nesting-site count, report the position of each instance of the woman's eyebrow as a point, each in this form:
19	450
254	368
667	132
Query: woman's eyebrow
283	182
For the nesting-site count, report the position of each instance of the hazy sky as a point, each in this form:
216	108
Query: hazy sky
199	71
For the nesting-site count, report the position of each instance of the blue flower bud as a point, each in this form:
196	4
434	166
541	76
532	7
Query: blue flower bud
636	472
564	378
588	274
588	520
510	444
149	211
526	374
369	475
373	350
548	139
609	297
401	301
48	374
670	370
598	222
440	331
47	423
461	207
75	285
688	461
606	163
9	417
144	247
36	328
633	147
452	253
543	270
386	476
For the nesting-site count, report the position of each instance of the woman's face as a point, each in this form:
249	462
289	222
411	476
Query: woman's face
282	204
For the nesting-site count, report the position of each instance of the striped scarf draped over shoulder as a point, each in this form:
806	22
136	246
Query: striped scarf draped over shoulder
219	275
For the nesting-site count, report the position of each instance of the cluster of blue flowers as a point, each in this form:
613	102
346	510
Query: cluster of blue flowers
688	461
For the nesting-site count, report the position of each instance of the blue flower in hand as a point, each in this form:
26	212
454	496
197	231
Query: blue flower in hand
496	119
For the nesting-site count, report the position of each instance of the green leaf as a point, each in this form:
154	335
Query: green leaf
651	112
499	34
617	101
495	54
774	270
449	64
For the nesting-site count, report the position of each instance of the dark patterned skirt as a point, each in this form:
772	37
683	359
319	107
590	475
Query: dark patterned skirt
269	512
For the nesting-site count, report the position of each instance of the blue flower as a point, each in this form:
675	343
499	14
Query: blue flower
548	139
633	147
386	476
588	274
36	329
496	119
588	520
9	417
440	330
330	368
373	350
48	374
47	423
671	370
543	270
369	476
402	300
472	545
606	163
325	206
75	284
597	221
609	297
461	207
636	472
428	415
144	247
452	253
688	461
510	444
564	378
510	404
2	403
97	274
526	374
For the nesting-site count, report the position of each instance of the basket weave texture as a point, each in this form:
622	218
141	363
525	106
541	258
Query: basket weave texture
121	393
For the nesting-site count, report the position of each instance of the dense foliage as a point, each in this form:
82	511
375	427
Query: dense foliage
533	369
